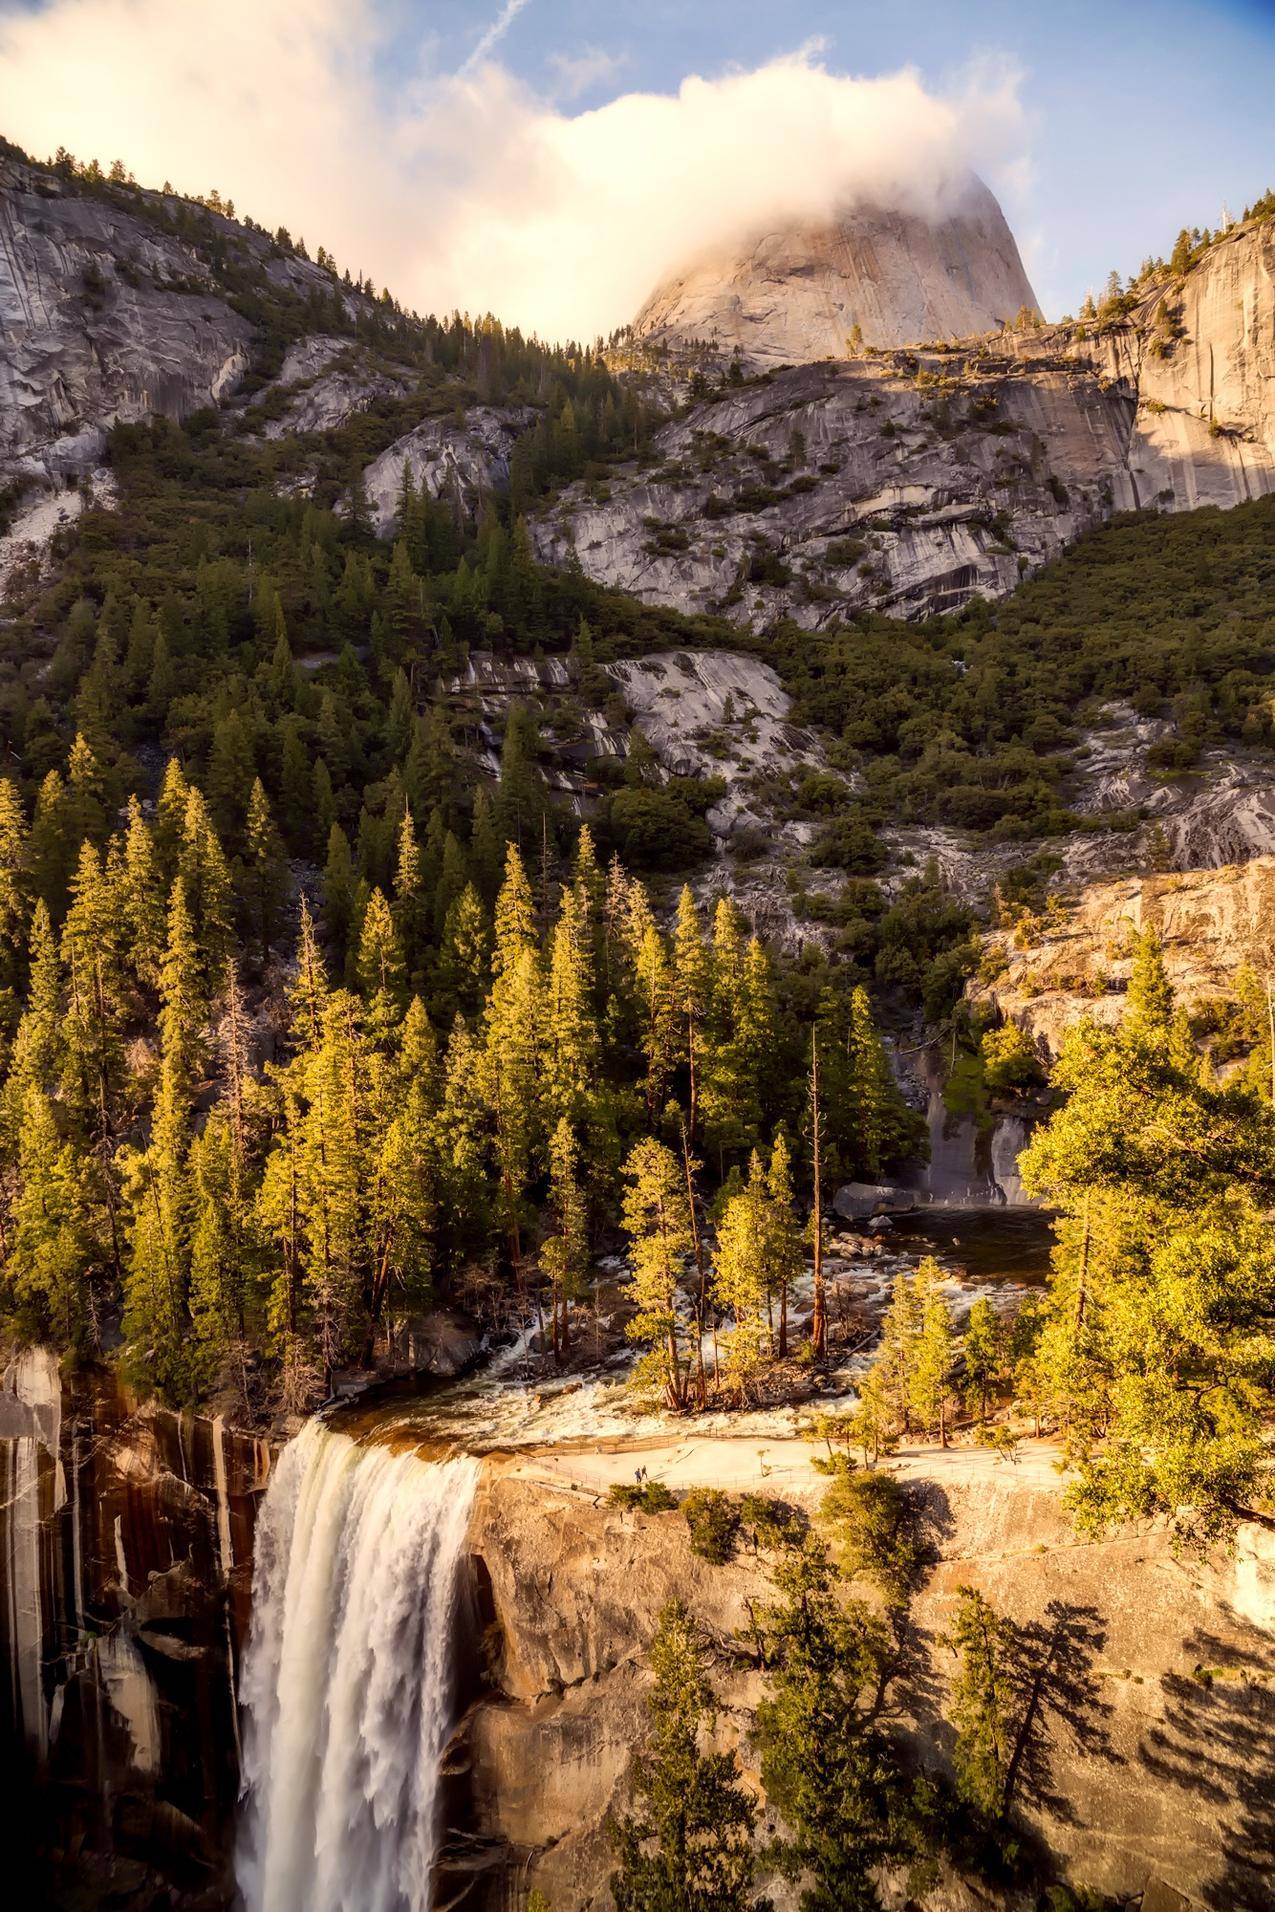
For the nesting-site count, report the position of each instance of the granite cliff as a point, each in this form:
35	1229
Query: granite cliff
798	293
1160	1663
910	481
894	476
125	1546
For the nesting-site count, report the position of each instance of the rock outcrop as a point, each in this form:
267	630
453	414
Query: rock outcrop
908	482
327	381
1209	923
1200	354
1155	1757
905	485
461	459
798	293
103	316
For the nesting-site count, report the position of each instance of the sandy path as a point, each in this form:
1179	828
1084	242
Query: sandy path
775	1466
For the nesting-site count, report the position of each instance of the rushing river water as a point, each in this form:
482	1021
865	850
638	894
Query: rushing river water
347	1683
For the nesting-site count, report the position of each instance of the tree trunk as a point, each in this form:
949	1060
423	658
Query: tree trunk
819	1325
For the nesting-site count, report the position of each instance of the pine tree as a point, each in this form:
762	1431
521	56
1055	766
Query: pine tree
564	1254
333	1181
52	847
984	1704
156	1281
464	956
402	1206
872	1109
230	777
278	1217
896	1355
382	972
87	798
170	822
819	1314
459	1146
515	918
222	1241
338	887
511	1079
13	894
826	1764
93	1028
410	903
143	900
38	1046
692	969
308	994
572	1043
740	1037
1149	1004
589	885
783	1235
740	1280
53	1243
983	1356
688	1847
207	887
658	1223
265	869
930	1367
656	1002
1154	1343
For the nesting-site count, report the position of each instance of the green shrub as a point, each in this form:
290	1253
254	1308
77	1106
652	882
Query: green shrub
775	1523
656	831
645	1497
714	1520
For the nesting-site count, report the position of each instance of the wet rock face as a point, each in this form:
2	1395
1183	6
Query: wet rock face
102	317
796	293
126	1559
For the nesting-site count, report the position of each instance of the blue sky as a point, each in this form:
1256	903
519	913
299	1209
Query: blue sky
1142	117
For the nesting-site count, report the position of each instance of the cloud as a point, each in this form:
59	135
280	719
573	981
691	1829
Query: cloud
577	73
468	189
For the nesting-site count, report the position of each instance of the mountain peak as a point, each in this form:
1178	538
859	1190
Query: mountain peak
794	293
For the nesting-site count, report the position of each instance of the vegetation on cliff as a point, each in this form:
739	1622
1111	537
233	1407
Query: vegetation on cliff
852	1797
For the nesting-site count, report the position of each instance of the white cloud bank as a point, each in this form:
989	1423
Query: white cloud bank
468	190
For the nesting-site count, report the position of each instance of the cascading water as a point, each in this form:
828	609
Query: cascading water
346	1685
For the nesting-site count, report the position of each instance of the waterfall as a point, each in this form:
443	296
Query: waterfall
346	1686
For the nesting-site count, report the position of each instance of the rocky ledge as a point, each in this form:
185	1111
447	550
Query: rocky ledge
1157	1696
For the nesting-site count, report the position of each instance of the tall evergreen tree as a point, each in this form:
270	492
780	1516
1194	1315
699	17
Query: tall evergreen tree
688	1846
658	1223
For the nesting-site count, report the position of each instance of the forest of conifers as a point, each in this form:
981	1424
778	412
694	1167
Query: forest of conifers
308	1024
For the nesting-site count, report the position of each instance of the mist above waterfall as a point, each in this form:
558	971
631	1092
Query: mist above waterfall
347	1685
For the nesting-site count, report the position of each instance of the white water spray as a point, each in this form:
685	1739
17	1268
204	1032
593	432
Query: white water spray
347	1685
